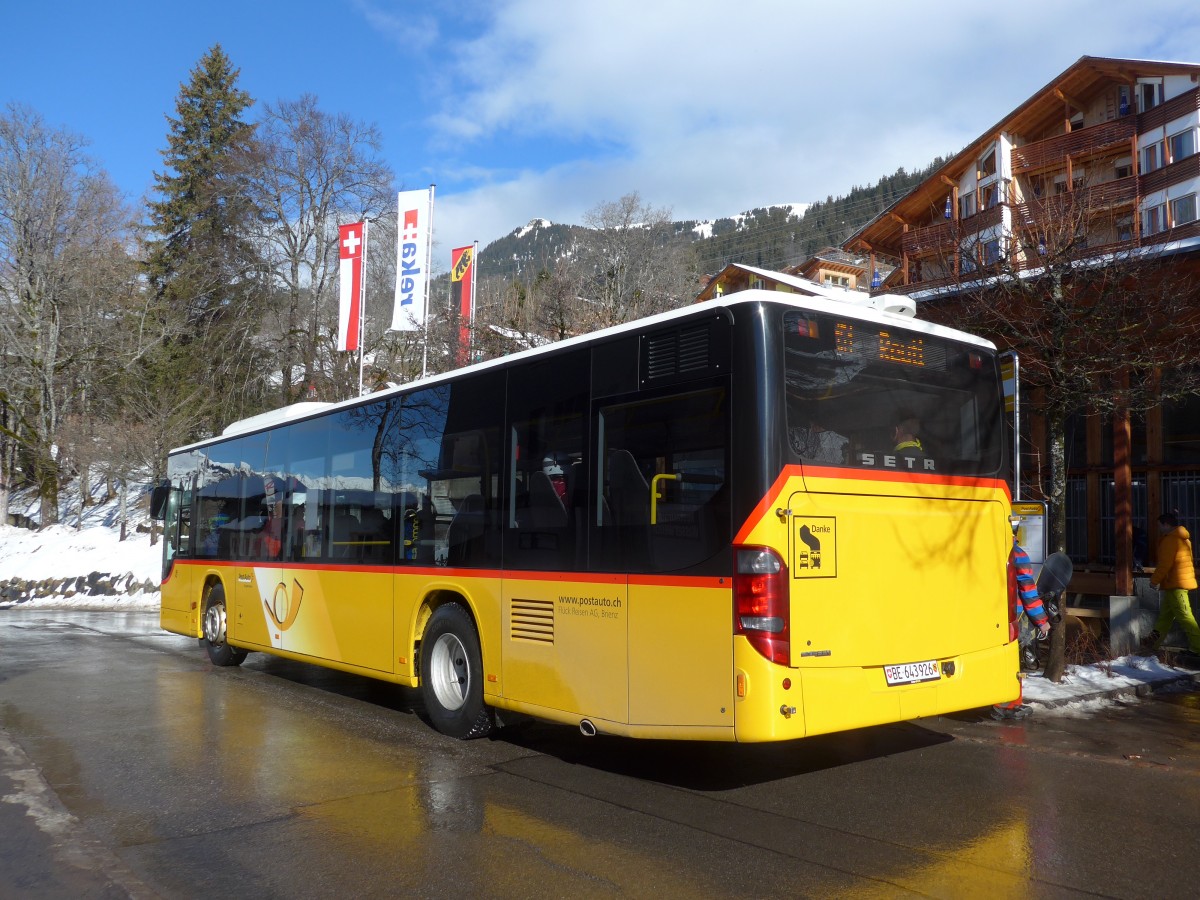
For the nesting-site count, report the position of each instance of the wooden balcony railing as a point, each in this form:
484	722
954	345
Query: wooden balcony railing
1178	233
930	239
1085	141
1098	138
1176	172
1099	199
942	237
1169	111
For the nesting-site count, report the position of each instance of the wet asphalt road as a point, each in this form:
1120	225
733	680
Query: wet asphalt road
129	767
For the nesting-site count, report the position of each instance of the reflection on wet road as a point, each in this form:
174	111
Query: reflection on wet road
281	779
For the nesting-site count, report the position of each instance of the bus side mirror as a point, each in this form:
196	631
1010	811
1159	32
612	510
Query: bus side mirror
158	500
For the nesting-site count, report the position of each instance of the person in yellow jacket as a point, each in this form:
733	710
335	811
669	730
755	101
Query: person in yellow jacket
1174	576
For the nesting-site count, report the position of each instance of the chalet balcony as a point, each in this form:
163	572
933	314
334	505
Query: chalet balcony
1084	142
1169	111
1090	201
1097	139
1176	172
950	283
942	238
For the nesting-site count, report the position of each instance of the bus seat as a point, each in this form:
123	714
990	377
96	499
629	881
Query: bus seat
629	494
375	527
546	510
465	530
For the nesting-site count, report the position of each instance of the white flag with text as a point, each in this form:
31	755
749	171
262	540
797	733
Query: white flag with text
413	235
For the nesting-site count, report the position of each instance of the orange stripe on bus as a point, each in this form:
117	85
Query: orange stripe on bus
763	507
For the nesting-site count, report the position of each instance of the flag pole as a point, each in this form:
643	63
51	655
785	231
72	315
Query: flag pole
428	264
474	281
362	306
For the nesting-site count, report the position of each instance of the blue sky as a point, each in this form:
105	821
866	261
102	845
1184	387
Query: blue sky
545	108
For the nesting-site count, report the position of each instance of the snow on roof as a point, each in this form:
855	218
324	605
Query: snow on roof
890	303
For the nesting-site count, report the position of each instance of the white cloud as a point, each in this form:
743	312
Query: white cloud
709	107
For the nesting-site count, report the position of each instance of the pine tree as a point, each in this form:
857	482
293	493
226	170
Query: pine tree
201	260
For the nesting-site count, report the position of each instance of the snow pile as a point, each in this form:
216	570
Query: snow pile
92	559
1085	685
86	567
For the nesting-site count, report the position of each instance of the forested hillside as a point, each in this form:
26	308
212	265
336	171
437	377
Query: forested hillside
771	237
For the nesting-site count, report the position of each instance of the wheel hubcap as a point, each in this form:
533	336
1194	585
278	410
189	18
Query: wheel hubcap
214	624
449	672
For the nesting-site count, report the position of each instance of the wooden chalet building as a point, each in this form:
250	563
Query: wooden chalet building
1120	136
834	268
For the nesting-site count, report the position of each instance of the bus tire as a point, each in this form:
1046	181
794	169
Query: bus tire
452	674
216	631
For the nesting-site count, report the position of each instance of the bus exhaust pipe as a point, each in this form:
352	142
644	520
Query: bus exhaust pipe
586	728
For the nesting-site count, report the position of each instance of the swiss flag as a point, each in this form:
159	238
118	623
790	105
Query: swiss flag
350	267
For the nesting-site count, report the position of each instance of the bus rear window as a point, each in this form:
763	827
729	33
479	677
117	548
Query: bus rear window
884	397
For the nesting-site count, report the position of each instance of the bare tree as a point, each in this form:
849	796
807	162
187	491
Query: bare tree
318	171
633	264
59	215
1093	311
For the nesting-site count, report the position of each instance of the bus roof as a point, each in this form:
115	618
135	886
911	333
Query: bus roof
842	308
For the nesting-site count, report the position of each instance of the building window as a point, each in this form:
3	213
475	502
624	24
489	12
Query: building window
1154	219
1152	158
756	284
1183	210
1124	167
1183	145
1125	229
1123	104
966	205
987	165
1150	93
991	252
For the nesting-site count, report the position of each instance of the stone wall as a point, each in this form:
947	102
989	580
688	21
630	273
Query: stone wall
97	584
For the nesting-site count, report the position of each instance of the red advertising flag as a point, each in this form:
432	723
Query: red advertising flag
462	278
350	266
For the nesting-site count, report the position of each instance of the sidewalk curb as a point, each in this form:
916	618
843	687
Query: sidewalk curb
1144	689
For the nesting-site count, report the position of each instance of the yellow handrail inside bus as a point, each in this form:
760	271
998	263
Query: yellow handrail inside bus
655	496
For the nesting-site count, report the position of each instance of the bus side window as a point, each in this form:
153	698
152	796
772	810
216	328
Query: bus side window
662	503
545	494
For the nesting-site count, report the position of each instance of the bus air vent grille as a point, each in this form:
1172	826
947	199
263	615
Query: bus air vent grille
532	620
680	352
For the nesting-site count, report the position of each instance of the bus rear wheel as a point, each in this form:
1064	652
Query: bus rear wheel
216	631
452	674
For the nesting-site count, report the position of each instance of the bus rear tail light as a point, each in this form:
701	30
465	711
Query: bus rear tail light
761	603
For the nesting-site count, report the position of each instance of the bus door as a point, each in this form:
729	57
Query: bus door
664	518
176	611
564	624
260	610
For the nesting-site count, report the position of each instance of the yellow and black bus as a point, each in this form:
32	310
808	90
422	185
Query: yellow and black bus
753	519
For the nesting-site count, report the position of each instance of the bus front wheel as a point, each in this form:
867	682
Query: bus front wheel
215	631
452	674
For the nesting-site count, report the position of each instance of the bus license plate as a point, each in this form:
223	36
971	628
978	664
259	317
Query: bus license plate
912	673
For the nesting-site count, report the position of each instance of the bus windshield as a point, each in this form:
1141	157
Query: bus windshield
877	396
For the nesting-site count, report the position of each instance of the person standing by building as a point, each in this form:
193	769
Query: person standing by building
1032	622
1174	575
